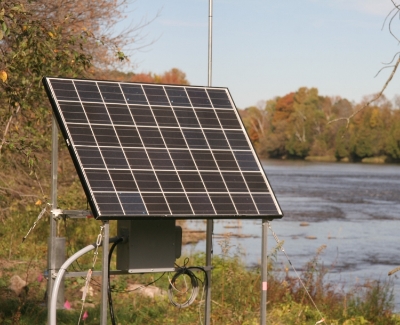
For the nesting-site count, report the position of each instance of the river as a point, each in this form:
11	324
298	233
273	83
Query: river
353	209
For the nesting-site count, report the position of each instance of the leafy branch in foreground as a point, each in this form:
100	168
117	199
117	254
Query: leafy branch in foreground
35	42
30	50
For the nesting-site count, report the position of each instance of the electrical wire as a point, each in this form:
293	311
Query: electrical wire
142	286
110	302
194	282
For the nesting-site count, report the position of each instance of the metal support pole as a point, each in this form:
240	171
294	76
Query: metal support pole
53	224
104	274
264	273
210	223
207	312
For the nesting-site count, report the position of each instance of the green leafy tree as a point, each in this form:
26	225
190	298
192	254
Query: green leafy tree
306	122
392	143
33	43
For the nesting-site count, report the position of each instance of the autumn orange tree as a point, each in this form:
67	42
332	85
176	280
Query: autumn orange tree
173	76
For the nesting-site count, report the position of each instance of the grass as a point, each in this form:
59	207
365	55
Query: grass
235	297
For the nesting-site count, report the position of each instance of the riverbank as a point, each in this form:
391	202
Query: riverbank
288	303
369	160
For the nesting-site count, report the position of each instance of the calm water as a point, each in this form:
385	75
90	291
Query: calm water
353	209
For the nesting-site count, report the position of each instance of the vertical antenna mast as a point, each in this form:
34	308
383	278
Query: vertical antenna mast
210	43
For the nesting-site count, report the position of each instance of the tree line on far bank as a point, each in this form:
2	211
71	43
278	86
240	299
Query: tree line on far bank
299	126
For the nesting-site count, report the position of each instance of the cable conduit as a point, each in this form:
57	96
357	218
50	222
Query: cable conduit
60	275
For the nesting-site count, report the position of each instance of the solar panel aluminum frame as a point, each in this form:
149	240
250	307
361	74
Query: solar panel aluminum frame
221	186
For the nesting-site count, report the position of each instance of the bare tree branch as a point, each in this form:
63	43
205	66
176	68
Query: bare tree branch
3	140
391	15
372	100
391	61
390	66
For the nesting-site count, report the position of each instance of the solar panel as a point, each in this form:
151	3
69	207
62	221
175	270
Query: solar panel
152	150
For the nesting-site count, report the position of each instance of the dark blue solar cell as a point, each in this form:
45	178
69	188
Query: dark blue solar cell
246	160
204	159
120	114
109	204
105	135
182	159
82	135
186	117
255	182
142	115
96	113
132	203
201	204
88	91
123	180
223	204
234	182
219	98
178	203
73	112
156	204
90	157
134	94
146	181
207	118
177	96
265	204
195	139
151	137
169	181
244	204
99	180
64	89
160	159
225	160
111	92
128	136
137	158
191	181
173	138
237	140
114	157
228	119
216	139
198	97
156	95
165	116
213	181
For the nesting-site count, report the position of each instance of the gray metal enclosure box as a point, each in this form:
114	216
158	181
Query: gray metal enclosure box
152	245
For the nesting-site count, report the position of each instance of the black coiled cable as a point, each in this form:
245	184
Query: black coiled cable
194	282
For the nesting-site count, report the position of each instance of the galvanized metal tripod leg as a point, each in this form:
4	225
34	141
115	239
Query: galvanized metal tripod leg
51	254
104	274
264	273
209	232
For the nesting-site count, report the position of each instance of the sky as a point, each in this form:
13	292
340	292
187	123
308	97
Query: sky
267	48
